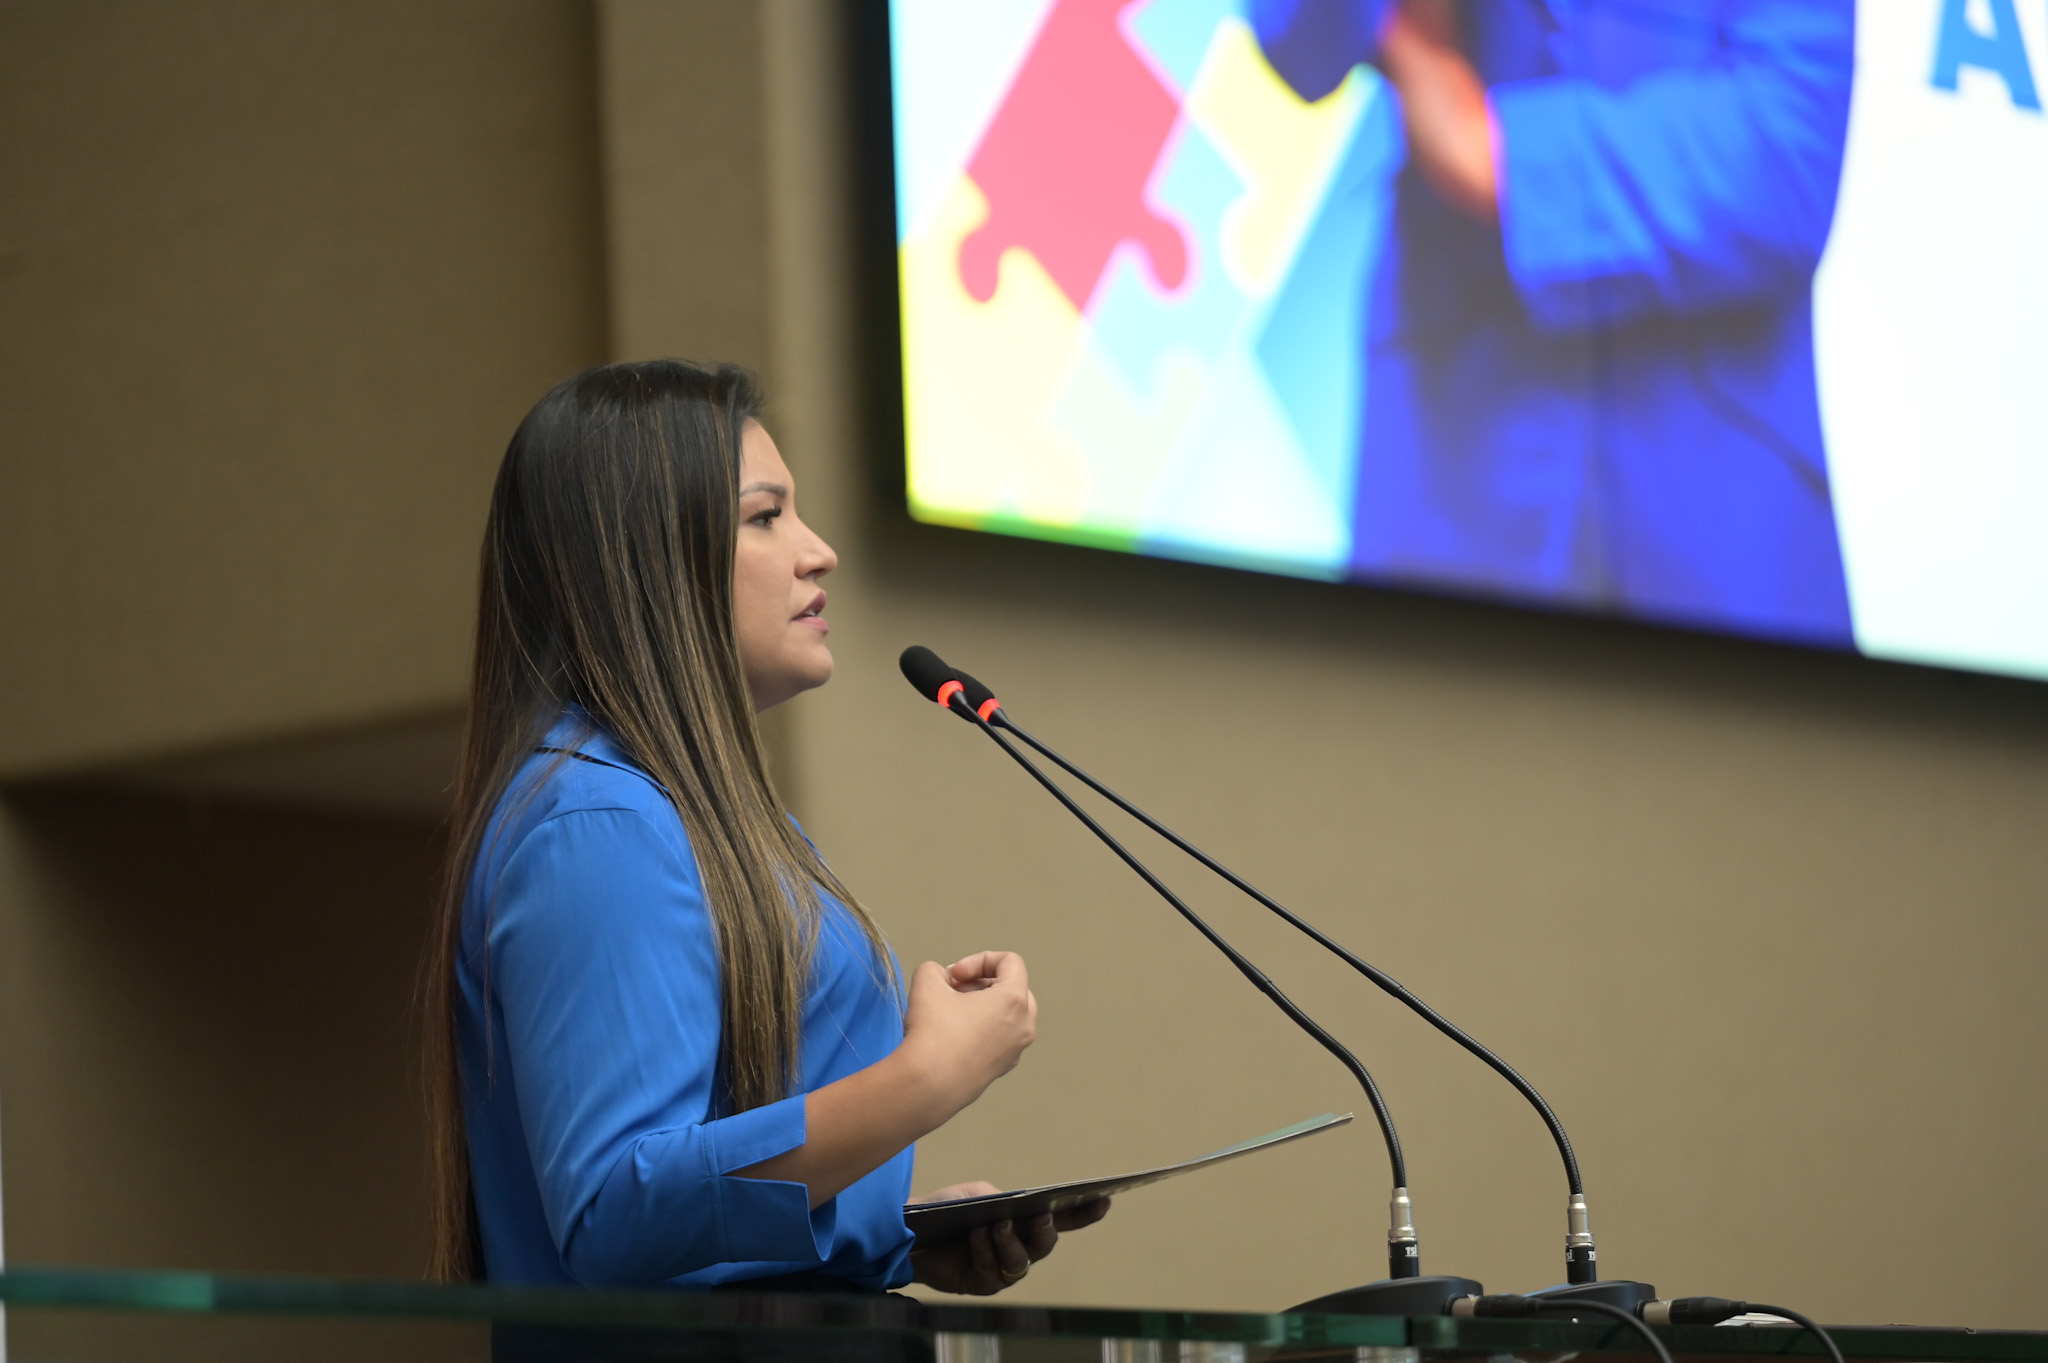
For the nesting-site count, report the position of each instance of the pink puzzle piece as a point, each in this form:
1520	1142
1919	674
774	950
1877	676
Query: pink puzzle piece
1064	163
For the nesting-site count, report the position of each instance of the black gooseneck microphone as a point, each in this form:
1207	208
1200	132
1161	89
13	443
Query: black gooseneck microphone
1404	1291
1635	1304
1581	1261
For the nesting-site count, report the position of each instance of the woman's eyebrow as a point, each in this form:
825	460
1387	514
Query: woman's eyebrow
777	488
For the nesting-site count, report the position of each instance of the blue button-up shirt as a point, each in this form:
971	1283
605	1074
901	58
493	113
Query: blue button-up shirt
602	1149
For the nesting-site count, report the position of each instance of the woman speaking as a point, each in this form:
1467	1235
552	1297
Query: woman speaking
666	1045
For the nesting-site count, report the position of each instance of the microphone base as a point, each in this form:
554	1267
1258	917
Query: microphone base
1427	1296
1621	1292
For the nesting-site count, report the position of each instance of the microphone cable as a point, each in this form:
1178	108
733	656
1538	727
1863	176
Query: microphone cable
1714	1310
1510	1307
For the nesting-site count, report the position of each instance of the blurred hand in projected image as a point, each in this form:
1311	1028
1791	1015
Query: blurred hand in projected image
1451	132
992	1258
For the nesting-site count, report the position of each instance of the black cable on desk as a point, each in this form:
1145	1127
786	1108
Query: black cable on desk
1714	1310
1827	1340
1508	1306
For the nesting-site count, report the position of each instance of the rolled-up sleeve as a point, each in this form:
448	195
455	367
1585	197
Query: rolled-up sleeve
604	965
1686	189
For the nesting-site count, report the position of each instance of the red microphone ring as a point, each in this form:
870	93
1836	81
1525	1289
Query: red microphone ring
946	694
988	707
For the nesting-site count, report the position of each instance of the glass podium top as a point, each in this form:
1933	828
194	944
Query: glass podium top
619	1325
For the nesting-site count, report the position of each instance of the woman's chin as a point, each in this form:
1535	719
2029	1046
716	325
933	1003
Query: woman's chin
812	673
819	666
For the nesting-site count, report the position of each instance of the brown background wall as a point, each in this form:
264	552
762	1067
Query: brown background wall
278	280
231	1018
1766	926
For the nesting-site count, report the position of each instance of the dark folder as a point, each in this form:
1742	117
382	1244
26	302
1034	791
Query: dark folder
937	1223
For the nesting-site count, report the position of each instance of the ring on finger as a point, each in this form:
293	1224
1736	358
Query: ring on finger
1018	1276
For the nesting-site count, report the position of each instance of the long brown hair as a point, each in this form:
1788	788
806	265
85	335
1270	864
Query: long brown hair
607	583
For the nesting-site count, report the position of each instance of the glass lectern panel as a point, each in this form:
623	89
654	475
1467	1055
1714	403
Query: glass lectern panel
59	1315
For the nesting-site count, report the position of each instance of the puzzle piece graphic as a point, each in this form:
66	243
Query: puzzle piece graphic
981	379
1127	435
1284	149
1312	345
1175	33
951	64
1238	488
1133	324
1066	159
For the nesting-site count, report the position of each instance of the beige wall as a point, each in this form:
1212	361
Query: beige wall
1767	926
685	191
279	280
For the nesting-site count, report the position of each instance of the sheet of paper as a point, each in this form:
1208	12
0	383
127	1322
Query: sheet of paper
937	1223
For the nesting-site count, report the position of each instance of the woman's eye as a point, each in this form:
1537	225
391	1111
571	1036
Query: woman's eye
763	517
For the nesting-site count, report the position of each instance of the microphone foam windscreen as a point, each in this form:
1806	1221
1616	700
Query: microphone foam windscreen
977	694
924	670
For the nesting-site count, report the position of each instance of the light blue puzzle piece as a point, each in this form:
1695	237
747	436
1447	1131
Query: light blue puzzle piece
1134	323
1176	33
1312	343
1238	488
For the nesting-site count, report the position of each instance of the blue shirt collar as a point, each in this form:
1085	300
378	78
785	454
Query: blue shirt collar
575	731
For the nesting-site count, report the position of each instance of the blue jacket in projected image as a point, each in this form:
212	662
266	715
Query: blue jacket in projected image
601	1146
1608	398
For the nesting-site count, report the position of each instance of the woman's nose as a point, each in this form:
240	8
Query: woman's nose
819	559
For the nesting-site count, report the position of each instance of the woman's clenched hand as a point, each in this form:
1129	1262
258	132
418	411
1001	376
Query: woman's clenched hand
968	1024
964	1028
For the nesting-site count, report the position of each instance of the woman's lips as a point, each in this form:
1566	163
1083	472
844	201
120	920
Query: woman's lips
814	614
